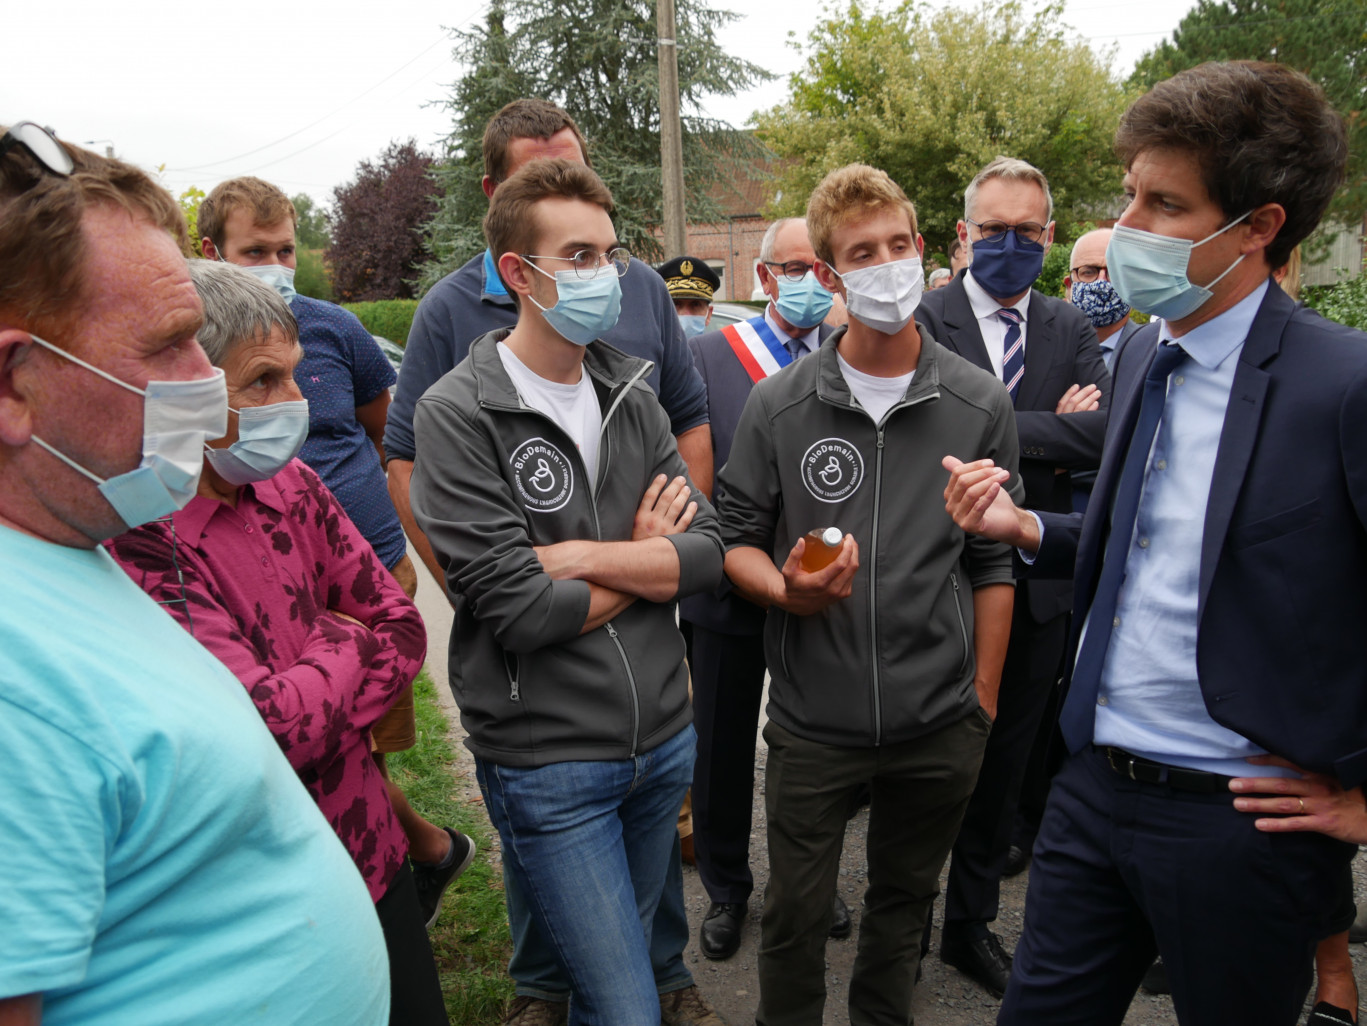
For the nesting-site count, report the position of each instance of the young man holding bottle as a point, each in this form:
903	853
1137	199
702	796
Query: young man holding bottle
885	663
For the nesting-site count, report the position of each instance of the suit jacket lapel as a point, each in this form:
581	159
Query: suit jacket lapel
1240	431
962	327
1039	328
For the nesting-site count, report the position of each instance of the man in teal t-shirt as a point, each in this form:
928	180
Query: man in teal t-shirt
160	862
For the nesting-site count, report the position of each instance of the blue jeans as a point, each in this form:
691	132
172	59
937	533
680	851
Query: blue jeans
592	847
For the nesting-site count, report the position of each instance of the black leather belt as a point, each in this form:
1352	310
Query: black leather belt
1146	771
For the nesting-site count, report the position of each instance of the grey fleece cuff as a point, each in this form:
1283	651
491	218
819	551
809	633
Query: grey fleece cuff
700	562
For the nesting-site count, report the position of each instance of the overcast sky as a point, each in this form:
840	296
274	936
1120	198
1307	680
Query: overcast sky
300	91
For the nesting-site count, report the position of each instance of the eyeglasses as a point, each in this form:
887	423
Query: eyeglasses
40	144
587	261
1088	272
1027	231
793	270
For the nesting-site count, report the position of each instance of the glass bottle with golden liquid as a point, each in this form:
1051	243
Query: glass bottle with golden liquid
823	545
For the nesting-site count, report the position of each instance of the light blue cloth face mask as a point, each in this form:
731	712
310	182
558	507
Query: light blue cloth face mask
277	276
268	437
1150	271
803	303
692	324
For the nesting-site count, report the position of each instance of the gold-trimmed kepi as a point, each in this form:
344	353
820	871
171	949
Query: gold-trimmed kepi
689	277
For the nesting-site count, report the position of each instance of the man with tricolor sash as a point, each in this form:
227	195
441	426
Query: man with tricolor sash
727	655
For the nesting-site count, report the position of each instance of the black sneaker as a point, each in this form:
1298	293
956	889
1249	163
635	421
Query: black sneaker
1325	1014
432	878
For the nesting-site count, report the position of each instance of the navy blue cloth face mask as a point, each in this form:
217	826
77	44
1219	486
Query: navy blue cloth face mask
1006	266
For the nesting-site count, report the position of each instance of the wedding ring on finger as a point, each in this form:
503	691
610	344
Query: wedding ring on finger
1302	801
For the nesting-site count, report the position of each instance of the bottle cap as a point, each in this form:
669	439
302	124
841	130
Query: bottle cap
831	536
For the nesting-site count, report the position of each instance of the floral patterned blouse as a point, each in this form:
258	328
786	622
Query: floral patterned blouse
261	584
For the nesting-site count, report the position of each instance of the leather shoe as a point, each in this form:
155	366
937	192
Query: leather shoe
980	958
840	920
1156	979
1017	858
719	936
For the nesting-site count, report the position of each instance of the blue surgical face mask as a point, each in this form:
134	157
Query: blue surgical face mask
803	303
586	307
268	437
1150	271
1006	267
692	324
277	276
178	417
1100	302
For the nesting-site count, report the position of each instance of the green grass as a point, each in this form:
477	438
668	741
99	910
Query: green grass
470	940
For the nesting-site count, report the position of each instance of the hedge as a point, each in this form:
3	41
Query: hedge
388	318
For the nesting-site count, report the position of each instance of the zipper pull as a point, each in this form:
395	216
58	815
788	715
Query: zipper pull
954	580
880	438
612	633
515	695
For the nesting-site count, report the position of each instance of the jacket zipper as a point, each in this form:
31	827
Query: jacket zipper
959	611
514	680
783	646
631	680
873	563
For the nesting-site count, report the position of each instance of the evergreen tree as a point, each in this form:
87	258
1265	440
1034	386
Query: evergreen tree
1325	39
598	60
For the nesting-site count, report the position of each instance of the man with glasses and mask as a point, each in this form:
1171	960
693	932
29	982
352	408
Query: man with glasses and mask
551	489
727	655
464	305
884	663
160	857
1045	351
1220	593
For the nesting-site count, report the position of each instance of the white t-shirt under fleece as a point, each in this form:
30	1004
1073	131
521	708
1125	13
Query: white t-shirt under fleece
574	408
877	395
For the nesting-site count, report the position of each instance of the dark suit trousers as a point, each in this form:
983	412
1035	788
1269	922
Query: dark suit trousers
728	680
1122	870
1028	678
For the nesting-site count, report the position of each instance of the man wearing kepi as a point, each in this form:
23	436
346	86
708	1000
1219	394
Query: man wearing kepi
1045	351
160	859
691	284
885	663
728	645
553	494
1219	575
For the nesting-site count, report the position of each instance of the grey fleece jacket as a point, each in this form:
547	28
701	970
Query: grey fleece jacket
493	478
895	659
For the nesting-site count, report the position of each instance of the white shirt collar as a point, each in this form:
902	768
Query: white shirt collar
985	306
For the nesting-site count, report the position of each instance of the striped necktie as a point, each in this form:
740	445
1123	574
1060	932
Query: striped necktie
1013	351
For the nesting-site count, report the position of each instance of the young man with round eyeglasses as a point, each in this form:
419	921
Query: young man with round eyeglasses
556	502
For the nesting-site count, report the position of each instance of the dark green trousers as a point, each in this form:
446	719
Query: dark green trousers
920	790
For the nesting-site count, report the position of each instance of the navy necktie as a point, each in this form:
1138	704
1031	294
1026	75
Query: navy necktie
1013	351
1078	718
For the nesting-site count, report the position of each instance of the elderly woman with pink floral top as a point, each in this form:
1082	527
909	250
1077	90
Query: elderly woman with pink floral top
266	571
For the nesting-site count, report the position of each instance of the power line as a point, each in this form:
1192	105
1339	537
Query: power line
285	138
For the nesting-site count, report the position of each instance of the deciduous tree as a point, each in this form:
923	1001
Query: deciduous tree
598	60
931	96
377	244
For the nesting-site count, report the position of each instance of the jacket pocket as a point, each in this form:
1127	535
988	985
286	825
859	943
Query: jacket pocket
1283	523
783	645
513	669
963	625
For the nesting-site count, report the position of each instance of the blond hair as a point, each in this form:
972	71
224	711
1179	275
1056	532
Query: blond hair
267	203
849	194
1012	170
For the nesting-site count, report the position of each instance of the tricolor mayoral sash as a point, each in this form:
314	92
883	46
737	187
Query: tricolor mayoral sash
757	347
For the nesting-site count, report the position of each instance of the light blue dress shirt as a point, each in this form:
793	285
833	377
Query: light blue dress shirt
1149	702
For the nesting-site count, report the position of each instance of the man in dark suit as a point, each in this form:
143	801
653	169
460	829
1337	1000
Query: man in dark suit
727	653
1046	353
1219	584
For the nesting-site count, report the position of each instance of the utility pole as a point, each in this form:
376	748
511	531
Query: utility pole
671	132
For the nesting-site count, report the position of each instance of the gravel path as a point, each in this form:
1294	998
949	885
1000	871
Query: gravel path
944	998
